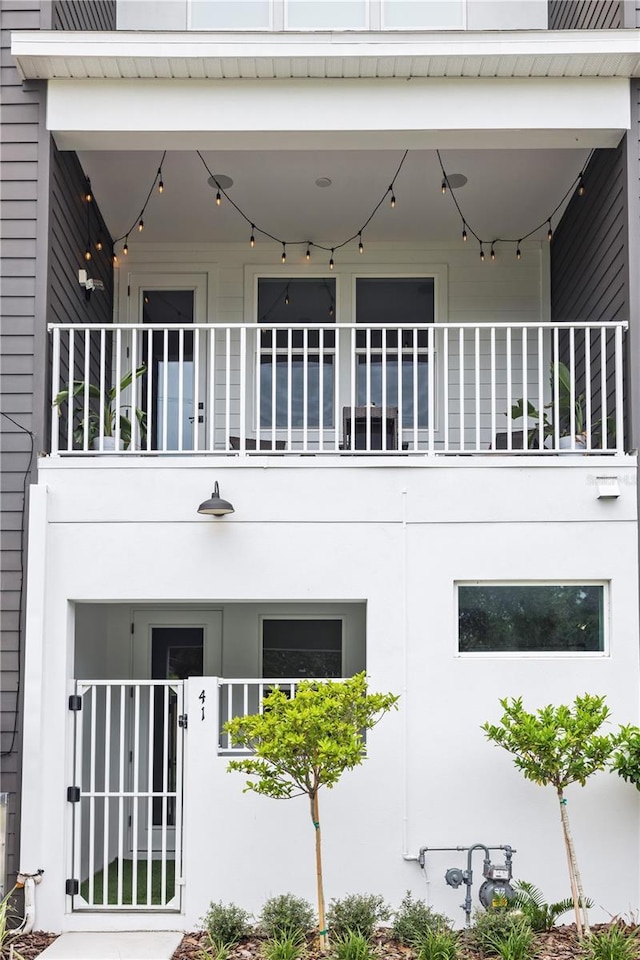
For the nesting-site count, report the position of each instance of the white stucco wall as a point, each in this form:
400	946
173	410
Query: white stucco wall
396	537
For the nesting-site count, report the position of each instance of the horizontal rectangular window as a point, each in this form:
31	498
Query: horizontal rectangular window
301	648
531	618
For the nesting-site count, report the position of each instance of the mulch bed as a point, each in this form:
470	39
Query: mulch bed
560	944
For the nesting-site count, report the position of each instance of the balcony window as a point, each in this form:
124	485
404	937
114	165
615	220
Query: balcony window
392	364
297	364
531	618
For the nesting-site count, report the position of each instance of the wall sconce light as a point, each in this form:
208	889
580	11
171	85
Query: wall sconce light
608	488
215	506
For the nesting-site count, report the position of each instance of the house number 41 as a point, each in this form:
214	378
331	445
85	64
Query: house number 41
202	697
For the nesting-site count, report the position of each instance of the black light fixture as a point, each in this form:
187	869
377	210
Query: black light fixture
215	506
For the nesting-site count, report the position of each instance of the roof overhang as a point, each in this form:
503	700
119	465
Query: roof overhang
49	55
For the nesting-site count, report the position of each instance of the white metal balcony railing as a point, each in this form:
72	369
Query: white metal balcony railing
337	389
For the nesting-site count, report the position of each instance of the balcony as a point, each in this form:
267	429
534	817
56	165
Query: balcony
338	389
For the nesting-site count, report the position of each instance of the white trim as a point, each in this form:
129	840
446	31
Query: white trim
603	654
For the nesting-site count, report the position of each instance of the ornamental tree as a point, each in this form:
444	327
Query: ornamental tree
558	746
306	742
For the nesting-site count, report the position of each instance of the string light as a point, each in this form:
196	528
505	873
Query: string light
88	195
443	186
218	198
125	249
283	258
287	298
492	253
464	231
140	225
87	254
393	199
331	263
549	233
146	298
307	255
481	253
518	251
331	310
581	186
360	245
252	239
114	260
161	183
98	245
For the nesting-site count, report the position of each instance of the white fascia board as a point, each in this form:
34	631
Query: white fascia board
42	54
248	114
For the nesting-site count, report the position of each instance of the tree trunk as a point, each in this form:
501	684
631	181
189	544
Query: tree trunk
315	816
577	893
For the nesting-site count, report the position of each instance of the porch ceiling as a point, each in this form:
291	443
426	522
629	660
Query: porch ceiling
507	194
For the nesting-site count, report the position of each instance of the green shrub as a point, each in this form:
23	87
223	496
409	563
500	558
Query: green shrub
517	944
286	915
439	944
491	926
359	913
414	919
352	945
287	946
226	924
617	942
541	915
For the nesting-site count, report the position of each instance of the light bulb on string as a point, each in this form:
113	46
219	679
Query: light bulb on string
218	198
464	231
140	225
393	198
87	253
283	258
443	186
492	254
331	263
360	244
161	183
287	299
518	251
125	249
481	253
98	245
581	187
88	196
331	310
114	260
549	233
146	298
252	239
307	255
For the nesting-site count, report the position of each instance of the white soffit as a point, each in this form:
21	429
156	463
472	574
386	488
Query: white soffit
46	55
337	114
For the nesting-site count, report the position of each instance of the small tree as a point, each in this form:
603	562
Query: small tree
558	746
626	760
306	742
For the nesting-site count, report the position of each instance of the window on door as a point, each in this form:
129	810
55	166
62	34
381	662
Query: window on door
310	648
297	365
392	364
171	419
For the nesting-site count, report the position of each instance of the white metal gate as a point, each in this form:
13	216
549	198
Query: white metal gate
127	795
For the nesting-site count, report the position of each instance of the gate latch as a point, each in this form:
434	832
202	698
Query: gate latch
182	721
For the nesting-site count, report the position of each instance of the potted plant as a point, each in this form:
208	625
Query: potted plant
564	408
103	420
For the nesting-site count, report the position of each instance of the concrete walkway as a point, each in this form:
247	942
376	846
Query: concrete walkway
147	945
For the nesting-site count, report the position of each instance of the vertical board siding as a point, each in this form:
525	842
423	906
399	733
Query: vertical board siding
589	256
84	14
585	14
20	220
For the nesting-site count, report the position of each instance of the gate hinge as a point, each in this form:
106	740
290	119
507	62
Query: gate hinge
72	888
182	720
75	702
73	794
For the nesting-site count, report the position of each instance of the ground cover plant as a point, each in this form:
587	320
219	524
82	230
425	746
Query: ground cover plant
414	919
303	743
541	915
359	913
558	746
285	915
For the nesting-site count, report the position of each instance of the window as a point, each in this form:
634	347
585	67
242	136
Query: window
392	364
297	366
326	14
422	15
301	648
223	15
531	618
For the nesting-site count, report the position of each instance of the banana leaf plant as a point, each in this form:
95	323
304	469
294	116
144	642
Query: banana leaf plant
563	408
103	421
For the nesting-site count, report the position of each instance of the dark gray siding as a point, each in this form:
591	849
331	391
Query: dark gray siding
589	258
84	14
23	223
585	14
